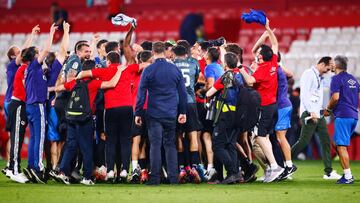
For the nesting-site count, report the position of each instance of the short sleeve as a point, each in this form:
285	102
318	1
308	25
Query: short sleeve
69	85
209	72
259	75
335	85
102	73
218	85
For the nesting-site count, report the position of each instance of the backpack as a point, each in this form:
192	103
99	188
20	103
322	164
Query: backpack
78	108
247	108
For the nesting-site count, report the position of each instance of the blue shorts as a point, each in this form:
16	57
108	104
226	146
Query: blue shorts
6	104
53	125
344	128
284	119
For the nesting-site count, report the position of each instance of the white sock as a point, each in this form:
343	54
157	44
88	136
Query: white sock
273	166
210	166
289	163
134	164
347	173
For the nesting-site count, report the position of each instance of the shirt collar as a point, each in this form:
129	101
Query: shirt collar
160	60
316	71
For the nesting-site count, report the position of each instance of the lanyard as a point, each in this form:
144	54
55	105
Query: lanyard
318	79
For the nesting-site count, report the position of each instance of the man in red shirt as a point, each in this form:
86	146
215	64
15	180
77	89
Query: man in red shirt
82	133
139	133
118	112
265	81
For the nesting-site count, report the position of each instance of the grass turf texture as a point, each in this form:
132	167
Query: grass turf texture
307	186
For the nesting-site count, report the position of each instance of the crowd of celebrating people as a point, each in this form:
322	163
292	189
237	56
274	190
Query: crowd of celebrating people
167	112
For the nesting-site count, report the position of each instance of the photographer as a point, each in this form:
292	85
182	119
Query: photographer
224	138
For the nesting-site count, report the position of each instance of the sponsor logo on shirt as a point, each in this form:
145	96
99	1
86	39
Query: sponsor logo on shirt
272	71
352	83
75	65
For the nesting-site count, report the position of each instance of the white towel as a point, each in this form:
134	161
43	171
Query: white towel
123	20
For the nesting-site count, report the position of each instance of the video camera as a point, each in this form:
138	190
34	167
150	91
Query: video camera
217	42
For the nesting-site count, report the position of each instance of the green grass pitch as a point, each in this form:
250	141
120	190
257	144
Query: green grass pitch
307	186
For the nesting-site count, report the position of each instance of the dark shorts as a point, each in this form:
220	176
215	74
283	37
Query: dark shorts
139	130
192	120
268	118
207	125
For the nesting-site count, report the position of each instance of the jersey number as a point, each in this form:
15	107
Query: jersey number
185	73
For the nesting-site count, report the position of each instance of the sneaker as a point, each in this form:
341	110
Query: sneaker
39	176
47	174
343	180
29	176
332	176
135	176
63	178
274	174
20	178
266	174
201	171
144	176
75	176
250	173
110	176
124	174
235	178
261	179
4	170
8	173
211	175
287	173
182	176
87	181
53	174
195	176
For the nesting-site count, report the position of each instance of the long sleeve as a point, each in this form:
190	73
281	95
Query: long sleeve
305	95
141	95
182	94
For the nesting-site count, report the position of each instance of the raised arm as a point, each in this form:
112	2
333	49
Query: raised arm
94	41
259	42
287	72
127	48
114	80
28	42
64	43
47	45
84	74
272	37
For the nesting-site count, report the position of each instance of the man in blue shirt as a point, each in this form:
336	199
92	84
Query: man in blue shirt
167	98
344	101
36	95
14	55
212	72
225	136
14	63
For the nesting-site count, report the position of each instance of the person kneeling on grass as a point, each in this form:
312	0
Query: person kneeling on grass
80	133
343	103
